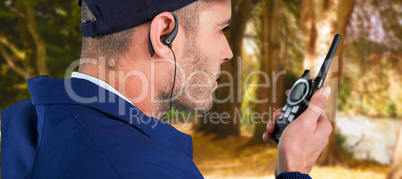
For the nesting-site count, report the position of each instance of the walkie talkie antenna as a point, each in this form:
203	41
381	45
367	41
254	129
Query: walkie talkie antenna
322	74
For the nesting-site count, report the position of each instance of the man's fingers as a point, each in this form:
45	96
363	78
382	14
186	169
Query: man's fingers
268	134
287	92
271	126
270	129
266	137
317	104
277	113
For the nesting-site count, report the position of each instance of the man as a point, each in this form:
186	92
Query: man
103	122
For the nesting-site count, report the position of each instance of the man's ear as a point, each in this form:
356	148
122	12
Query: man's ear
160	27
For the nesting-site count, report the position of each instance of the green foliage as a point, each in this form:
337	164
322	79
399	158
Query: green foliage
345	90
370	79
13	87
6	14
58	24
391	109
341	140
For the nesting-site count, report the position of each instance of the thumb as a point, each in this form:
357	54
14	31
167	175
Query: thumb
316	105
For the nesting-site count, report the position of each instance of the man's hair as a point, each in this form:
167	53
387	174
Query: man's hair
116	44
109	45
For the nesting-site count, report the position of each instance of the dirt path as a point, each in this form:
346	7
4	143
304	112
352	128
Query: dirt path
229	158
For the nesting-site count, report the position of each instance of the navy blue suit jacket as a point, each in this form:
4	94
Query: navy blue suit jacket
83	131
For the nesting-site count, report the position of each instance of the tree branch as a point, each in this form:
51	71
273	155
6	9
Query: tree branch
11	63
19	53
17	12
39	43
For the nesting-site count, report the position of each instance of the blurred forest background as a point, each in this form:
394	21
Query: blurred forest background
43	37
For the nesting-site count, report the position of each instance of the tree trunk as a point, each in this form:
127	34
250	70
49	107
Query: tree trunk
270	65
396	167
229	126
321	20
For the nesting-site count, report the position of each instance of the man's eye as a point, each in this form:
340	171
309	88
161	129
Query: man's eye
225	29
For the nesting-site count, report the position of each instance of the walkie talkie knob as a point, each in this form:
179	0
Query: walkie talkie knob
306	75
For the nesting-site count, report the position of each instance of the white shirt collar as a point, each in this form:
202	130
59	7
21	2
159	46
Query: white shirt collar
100	83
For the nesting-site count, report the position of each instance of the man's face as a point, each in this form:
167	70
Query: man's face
202	58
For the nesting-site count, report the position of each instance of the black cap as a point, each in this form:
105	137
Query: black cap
117	15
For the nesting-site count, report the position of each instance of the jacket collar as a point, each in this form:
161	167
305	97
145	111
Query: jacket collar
46	90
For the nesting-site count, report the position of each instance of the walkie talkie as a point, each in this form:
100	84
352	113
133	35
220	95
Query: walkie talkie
302	91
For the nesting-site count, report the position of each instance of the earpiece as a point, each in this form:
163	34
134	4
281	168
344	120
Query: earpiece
167	40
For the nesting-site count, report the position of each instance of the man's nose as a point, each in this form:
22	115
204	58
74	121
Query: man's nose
226	53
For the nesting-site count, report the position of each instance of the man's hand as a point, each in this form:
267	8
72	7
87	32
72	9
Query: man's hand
304	139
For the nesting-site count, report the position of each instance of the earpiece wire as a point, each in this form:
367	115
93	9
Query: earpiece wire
174	82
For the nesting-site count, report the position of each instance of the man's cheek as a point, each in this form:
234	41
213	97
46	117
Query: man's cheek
198	84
